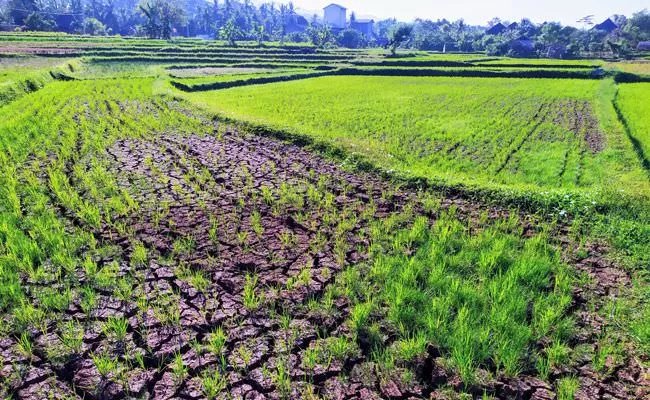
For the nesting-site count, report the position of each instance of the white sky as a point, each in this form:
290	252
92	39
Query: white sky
478	12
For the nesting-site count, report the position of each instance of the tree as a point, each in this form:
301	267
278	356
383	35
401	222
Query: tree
320	36
258	31
351	38
160	16
152	27
550	33
19	10
4	13
284	18
92	26
638	26
230	32
493	21
398	35
383	27
38	22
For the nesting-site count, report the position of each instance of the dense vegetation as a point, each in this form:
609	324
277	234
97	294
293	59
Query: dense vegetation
233	20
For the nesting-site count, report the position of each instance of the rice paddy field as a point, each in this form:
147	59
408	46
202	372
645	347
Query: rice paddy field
188	220
641	67
506	131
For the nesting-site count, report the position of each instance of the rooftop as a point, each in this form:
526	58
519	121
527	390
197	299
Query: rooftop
335	5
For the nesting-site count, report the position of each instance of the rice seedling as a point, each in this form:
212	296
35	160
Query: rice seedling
251	299
282	379
217	341
116	327
139	254
25	345
106	366
178	369
245	355
567	388
184	245
256	223
213	384
72	334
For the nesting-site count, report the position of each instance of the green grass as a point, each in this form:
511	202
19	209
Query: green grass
233	75
542	61
635	106
21	75
87	70
487	131
484	300
31	230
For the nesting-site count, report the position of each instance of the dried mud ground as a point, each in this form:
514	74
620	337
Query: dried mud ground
241	234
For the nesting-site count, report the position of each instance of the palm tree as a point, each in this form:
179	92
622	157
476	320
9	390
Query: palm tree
151	13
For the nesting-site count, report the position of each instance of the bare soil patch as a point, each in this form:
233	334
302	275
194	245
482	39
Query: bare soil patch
241	234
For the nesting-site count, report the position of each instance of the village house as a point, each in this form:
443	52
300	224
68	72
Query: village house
497	29
607	25
296	23
522	47
335	16
365	26
643	46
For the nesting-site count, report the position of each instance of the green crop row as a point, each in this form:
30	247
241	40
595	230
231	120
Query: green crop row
412	63
632	100
209	52
133	40
543	61
22	75
215	83
230	81
426	62
472	72
199	59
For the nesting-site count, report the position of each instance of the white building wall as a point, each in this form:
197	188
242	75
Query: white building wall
335	17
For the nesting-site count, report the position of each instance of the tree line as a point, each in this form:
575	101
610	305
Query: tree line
525	38
235	20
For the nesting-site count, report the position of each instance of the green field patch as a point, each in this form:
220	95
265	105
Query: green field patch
541	62
634	106
212	72
21	75
482	300
503	131
230	81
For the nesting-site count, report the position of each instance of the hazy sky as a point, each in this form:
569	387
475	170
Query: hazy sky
478	12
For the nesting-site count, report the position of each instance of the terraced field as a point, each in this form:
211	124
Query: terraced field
545	133
334	237
634	109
